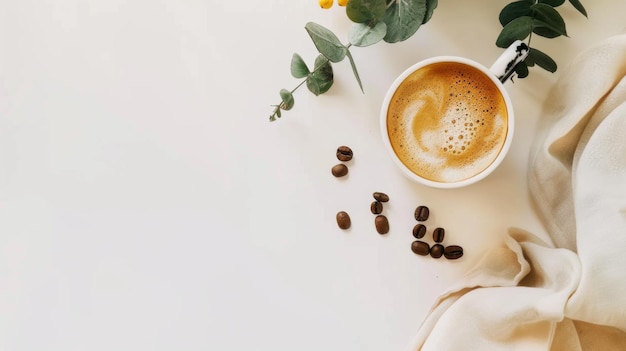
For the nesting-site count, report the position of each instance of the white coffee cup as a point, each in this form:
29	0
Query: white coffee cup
440	149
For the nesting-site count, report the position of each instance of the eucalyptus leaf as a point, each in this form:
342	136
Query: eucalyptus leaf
361	34
517	29
287	98
544	29
365	11
546	32
521	69
321	79
326	42
403	18
552	22
553	3
578	6
431	5
298	67
514	10
542	60
354	70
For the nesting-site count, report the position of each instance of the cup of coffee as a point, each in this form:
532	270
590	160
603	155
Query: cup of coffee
448	121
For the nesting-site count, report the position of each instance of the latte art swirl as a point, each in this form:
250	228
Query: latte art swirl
447	121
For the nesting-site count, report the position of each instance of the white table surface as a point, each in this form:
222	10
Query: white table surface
146	203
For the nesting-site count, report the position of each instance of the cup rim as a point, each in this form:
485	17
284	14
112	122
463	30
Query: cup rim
467	181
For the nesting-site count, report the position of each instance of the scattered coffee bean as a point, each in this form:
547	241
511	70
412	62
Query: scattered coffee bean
419	231
453	252
343	220
420	248
382	224
339	170
382	197
438	234
436	251
376	207
422	213
344	153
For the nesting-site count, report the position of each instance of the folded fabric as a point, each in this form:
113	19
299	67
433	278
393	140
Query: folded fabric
569	294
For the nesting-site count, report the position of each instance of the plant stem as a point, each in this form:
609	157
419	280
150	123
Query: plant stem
299	85
277	107
315	69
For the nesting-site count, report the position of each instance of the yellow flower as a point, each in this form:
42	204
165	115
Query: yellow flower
326	4
342	2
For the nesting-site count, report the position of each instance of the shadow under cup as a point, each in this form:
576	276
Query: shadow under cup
447	122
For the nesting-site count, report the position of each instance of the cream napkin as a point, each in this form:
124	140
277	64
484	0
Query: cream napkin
570	294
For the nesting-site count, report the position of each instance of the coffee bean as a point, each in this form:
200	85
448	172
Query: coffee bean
339	170
343	220
382	197
376	207
382	224
344	153
436	251
422	213
438	234
420	248
453	252
419	231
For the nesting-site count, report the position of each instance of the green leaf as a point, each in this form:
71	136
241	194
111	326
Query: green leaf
273	115
517	29
529	61
356	73
361	34
522	70
287	98
365	11
403	18
542	60
553	3
431	5
298	67
326	42
321	79
551	21
546	32
514	10
578	6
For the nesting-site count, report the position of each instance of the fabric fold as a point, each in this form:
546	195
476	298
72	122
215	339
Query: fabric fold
568	294
504	309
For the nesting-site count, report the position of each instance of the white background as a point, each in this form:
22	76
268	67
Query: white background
146	203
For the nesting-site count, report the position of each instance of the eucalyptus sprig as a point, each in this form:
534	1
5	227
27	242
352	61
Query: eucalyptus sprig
397	20
321	78
521	19
373	21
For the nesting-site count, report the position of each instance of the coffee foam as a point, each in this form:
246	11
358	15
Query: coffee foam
447	121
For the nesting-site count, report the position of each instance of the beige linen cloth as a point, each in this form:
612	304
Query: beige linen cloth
569	294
